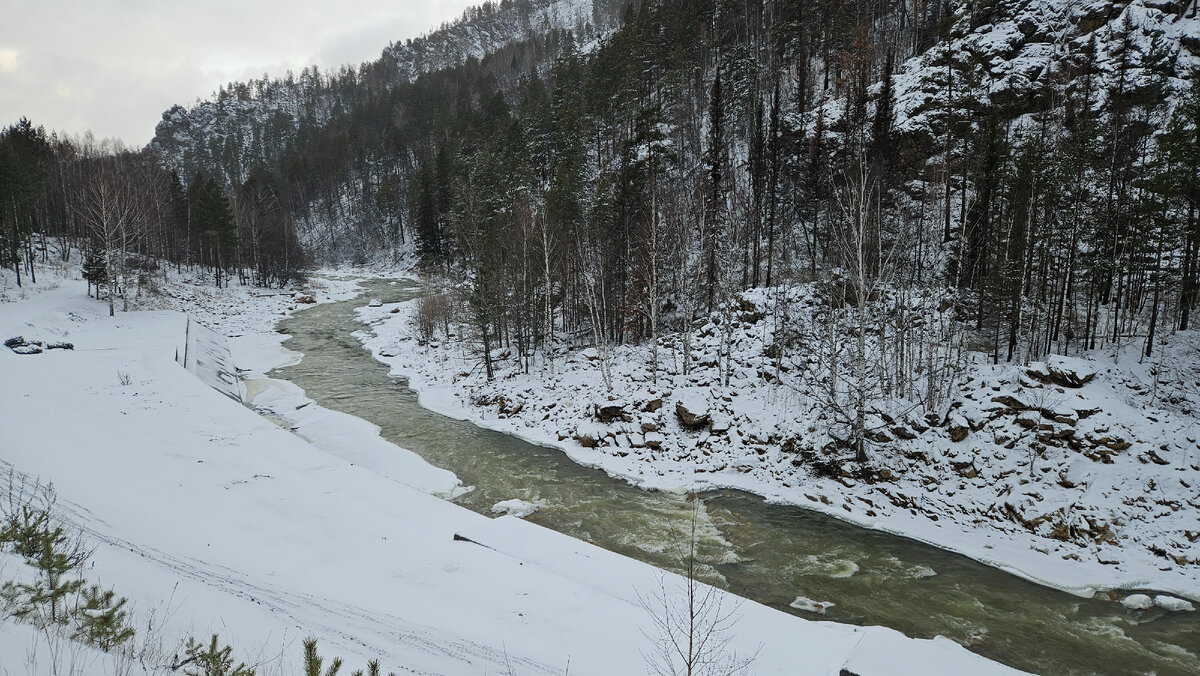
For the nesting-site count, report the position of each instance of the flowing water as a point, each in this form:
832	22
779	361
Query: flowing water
769	553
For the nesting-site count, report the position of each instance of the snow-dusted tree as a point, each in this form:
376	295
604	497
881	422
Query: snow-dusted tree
44	601
213	659
101	619
116	212
866	259
692	623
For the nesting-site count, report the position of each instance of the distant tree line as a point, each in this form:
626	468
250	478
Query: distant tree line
128	214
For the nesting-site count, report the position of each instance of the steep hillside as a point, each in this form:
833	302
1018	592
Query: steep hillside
249	123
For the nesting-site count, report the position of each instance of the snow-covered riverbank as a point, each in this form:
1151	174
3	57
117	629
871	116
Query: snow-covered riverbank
1085	488
217	520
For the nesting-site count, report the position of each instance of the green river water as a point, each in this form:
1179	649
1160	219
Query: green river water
765	552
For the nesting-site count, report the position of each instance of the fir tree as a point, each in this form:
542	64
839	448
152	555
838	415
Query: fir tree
95	269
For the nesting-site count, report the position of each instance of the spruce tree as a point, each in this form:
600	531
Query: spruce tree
95	269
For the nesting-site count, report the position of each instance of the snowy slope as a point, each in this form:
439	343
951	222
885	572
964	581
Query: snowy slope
1081	488
218	520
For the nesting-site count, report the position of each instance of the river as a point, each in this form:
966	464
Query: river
765	552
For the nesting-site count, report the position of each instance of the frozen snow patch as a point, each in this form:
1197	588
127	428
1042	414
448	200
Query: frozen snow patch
514	507
1137	602
807	604
1173	604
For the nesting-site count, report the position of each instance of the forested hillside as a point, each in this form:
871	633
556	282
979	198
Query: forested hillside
607	175
1039	157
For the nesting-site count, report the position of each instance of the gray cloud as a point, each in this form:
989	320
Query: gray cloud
113	66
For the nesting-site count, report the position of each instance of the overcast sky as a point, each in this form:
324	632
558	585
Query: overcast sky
113	66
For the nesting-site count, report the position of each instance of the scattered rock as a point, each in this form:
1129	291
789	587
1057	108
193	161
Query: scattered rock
307	299
19	345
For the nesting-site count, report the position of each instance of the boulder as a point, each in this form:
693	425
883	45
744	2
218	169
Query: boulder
692	412
588	435
1010	401
654	440
958	428
375	302
611	411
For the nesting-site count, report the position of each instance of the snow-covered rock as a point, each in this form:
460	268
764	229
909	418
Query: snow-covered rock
691	407
1063	371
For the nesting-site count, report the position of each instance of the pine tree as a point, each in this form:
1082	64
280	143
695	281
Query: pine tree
44	601
211	660
313	661
101	618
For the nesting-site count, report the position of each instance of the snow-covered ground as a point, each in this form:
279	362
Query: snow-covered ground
1084	488
213	519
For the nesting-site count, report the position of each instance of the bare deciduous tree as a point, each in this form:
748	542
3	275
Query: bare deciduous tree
691	622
